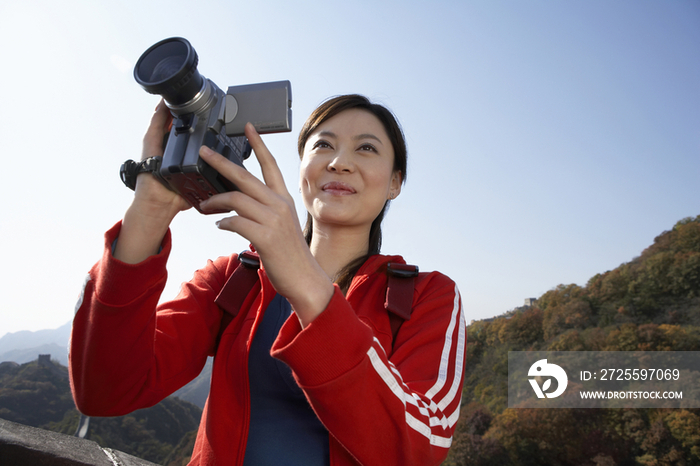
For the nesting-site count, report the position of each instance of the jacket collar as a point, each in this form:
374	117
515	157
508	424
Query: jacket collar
374	264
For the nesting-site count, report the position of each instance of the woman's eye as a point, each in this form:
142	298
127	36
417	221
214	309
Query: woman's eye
321	145
368	147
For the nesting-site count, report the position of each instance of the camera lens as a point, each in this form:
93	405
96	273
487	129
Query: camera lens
169	68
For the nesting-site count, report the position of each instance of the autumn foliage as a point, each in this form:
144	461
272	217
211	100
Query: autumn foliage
649	304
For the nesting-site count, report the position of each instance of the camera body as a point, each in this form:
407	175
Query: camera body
203	115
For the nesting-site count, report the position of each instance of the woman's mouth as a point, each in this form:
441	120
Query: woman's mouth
338	189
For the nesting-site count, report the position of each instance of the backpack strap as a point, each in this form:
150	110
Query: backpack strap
399	291
236	288
399	294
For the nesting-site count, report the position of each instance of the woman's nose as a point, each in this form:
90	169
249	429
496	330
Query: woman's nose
341	162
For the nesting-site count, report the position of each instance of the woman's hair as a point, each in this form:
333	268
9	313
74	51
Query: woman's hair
324	112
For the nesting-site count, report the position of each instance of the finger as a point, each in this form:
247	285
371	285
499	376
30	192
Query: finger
244	205
275	213
158	127
242	178
268	164
161	119
248	229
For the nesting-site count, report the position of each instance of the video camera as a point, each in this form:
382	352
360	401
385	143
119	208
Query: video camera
205	115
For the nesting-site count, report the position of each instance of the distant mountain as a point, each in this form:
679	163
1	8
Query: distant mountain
25	346
26	339
20	356
197	391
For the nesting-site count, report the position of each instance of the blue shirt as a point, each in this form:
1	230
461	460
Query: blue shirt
284	430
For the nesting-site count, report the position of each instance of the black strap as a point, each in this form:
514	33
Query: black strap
130	170
399	294
236	289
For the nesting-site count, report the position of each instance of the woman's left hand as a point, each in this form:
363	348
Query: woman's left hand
266	217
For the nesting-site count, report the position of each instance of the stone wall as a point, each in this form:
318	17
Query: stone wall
22	445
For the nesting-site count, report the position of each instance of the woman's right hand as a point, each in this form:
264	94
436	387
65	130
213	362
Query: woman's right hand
150	193
154	206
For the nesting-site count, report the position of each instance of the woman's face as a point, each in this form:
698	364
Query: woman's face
347	171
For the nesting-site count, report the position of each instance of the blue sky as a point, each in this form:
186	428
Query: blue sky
548	141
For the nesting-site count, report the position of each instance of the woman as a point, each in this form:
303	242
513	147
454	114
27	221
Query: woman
311	370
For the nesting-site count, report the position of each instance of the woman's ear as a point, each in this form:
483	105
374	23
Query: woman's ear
395	185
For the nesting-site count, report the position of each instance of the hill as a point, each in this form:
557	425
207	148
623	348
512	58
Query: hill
651	303
24	346
38	394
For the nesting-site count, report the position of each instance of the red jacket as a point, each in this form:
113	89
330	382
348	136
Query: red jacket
128	353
